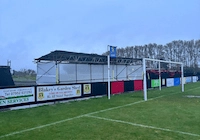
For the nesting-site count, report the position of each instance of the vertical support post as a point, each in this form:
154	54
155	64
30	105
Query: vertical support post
127	72
103	72
113	74
144	80
90	72
159	77
108	74
182	76
57	73
116	72
76	72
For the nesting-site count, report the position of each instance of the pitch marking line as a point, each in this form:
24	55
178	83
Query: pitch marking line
41	126
112	108
144	126
69	119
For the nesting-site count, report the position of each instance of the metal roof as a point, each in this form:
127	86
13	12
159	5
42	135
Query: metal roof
83	58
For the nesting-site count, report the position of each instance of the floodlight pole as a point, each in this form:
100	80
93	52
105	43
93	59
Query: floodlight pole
144	79
108	72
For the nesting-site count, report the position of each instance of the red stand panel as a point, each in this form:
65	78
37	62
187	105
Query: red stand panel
138	85
117	87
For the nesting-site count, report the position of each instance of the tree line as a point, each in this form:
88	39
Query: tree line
187	52
23	72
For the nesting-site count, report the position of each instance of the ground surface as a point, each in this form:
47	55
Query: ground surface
167	115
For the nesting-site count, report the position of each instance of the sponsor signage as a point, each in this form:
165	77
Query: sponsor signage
184	79
163	82
188	79
170	82
58	92
86	88
113	51
177	81
194	79
11	96
155	83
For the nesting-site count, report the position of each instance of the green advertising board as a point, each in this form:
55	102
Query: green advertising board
155	83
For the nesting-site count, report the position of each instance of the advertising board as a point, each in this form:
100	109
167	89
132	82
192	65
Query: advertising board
58	92
177	81
184	80
11	96
86	88
163	82
194	79
188	79
170	82
155	83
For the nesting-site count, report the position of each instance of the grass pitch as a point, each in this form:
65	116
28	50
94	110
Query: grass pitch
167	115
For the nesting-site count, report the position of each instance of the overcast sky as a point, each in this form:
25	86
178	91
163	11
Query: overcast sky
32	28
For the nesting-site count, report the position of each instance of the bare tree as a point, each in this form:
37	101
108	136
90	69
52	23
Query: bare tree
187	52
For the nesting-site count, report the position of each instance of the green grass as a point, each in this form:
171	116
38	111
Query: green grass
24	78
167	115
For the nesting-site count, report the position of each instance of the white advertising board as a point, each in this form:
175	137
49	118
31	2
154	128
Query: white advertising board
11	96
184	80
170	82
163	82
194	79
188	79
58	92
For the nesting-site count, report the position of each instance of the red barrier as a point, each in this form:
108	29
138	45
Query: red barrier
138	84
117	87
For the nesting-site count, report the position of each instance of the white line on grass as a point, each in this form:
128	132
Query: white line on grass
41	126
135	102
144	126
65	120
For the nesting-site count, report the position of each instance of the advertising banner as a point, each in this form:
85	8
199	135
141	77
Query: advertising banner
11	96
155	83
184	80
177	81
194	79
113	51
58	92
188	79
163	82
86	88
170	82
138	85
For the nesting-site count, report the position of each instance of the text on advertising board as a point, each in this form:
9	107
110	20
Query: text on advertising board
58	92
